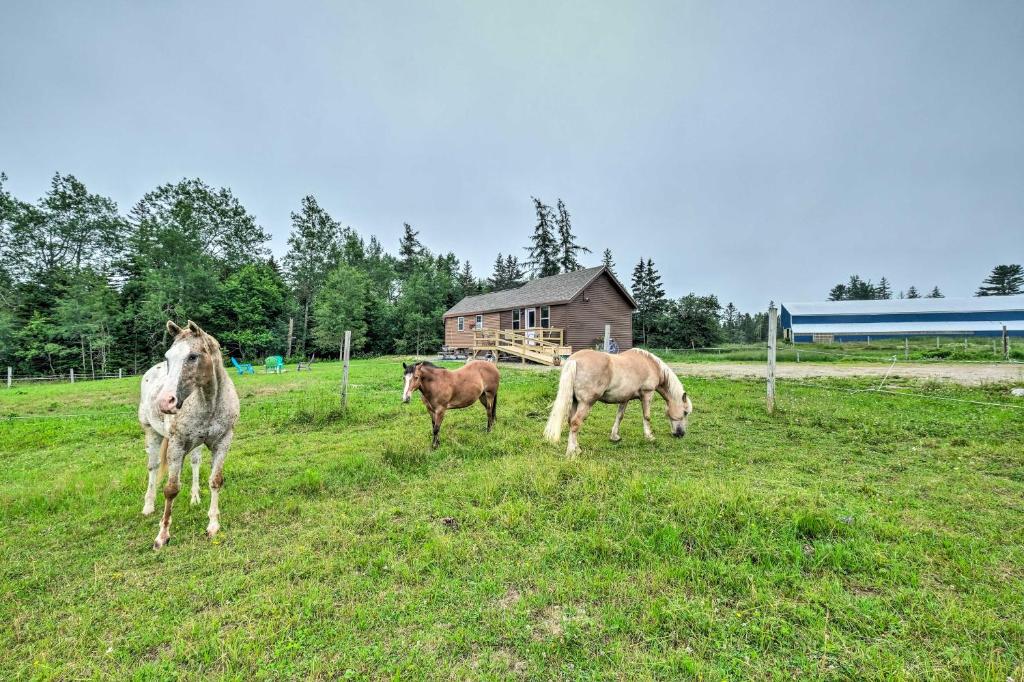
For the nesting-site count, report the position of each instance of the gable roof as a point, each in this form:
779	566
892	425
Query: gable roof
551	290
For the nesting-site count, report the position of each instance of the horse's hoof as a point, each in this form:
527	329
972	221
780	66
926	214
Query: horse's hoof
158	544
194	499
615	439
148	511
210	532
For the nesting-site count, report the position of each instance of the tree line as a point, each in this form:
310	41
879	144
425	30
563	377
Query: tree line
1004	280
85	286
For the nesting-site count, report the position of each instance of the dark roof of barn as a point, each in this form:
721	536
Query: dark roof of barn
541	291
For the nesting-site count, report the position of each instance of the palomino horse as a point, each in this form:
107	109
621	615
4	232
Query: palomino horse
187	401
442	389
589	376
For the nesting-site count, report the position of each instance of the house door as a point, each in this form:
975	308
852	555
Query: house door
531	323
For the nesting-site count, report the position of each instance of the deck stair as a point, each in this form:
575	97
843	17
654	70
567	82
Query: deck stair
543	346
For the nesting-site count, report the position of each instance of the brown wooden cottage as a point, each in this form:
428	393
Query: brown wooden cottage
546	318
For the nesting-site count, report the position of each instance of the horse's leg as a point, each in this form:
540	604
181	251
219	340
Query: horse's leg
492	414
153	440
618	420
579	414
197	460
175	457
438	417
220	451
645	400
487	409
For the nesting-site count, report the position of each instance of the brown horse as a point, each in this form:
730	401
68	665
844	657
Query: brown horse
589	376
442	389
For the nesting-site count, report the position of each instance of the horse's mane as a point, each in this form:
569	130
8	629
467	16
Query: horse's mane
668	377
427	363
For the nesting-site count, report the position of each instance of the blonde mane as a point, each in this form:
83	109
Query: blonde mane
672	383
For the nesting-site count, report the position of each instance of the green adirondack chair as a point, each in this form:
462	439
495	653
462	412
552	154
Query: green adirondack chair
275	363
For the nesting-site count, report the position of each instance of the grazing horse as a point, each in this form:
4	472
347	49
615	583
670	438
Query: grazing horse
187	401
443	389
589	376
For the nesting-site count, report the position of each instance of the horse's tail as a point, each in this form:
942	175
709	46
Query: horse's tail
163	459
560	410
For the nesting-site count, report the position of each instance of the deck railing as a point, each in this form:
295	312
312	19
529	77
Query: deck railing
541	344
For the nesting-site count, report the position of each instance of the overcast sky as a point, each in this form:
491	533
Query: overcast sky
754	150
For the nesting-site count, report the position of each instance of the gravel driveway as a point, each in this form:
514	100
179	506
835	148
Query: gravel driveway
962	373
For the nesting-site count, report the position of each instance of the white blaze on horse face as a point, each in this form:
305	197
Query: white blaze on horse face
167	399
407	392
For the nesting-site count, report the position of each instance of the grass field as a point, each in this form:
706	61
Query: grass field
848	536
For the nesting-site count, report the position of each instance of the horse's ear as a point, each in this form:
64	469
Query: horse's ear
194	328
172	328
405	366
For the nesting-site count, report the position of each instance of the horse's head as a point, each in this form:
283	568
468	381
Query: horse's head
678	401
190	364
412	380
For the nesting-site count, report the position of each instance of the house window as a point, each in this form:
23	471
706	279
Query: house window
479	322
515	318
462	323
545	316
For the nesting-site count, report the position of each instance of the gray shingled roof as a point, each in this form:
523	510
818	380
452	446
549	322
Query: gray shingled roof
541	291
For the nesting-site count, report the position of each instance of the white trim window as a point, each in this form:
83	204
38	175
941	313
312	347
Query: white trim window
479	322
545	317
516	313
461	323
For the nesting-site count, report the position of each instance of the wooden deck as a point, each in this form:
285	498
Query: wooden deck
543	346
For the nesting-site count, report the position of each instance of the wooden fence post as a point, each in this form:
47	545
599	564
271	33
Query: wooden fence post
291	336
906	348
72	375
344	369
773	320
607	337
1006	344
120	371
10	374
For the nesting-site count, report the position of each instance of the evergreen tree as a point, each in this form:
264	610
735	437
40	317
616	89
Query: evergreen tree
314	250
649	296
883	290
936	293
838	293
466	281
569	250
497	280
608	262
858	289
912	292
544	248
730	322
515	277
409	250
1004	280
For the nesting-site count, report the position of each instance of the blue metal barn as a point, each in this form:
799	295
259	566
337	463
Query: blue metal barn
835	321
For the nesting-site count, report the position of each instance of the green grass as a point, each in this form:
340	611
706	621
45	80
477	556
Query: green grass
850	535
919	349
